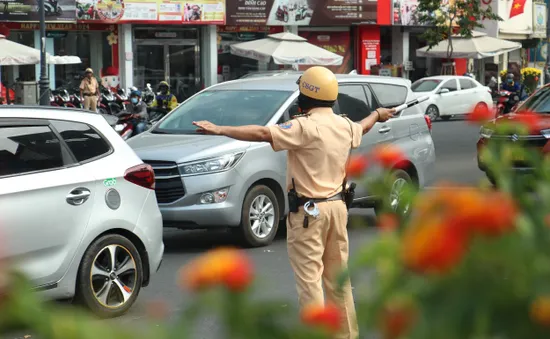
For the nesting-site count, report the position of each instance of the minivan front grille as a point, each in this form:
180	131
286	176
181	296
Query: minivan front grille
168	182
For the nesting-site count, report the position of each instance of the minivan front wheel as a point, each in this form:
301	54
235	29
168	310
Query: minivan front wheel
110	276
260	217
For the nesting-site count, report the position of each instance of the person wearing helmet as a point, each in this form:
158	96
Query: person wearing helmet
319	143
89	90
138	109
164	99
510	85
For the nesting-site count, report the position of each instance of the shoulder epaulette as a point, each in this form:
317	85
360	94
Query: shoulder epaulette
300	115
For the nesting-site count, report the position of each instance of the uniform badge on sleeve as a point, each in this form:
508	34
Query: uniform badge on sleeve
286	125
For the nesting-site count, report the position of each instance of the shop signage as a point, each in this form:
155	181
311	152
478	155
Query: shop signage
27	10
301	12
151	12
404	12
61	27
56	34
336	42
539	20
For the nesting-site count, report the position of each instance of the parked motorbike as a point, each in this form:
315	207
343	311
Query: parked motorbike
121	98
107	102
61	98
76	99
282	13
506	101
148	95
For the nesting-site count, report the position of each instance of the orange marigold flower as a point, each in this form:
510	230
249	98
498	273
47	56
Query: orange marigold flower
387	155
540	311
388	222
223	266
547	220
357	166
326	316
433	247
396	321
480	114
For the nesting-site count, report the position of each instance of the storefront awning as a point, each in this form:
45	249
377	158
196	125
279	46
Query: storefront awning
286	49
479	46
13	54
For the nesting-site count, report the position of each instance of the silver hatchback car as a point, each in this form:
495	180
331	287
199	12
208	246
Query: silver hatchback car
212	181
78	214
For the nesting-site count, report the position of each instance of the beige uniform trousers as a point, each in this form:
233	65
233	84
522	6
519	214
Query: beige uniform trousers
90	102
318	254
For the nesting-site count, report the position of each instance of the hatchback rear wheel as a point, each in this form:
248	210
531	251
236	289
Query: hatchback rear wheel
110	276
395	200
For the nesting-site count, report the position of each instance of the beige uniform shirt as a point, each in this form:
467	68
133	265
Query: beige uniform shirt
318	147
89	86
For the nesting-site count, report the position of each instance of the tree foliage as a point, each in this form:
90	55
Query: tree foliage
459	17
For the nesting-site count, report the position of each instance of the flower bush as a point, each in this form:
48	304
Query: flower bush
531	78
463	262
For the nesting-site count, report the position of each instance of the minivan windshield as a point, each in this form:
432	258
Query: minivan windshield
225	108
427	85
538	102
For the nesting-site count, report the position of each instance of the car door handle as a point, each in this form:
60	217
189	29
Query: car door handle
78	196
384	129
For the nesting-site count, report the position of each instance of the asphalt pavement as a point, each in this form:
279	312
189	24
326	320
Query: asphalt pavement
455	151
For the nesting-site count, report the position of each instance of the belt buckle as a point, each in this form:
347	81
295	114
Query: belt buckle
314	212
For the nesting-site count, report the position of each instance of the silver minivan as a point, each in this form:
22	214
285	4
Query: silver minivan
213	181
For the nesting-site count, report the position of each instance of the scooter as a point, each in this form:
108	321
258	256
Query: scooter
506	101
156	114
107	102
124	127
148	95
76	99
62	98
121	98
51	7
282	13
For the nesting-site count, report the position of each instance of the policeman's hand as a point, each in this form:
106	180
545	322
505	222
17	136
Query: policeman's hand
385	113
206	127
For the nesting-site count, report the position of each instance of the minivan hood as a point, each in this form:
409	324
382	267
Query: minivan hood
182	148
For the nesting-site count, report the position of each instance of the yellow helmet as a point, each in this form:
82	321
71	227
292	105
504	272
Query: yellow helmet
319	83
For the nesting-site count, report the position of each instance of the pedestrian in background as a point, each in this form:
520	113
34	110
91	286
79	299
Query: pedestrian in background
319	143
89	90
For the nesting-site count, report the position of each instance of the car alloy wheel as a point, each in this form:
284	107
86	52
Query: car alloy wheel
396	195
113	276
262	216
432	112
110	276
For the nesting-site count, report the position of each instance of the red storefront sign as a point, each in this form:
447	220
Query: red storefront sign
336	42
21	26
368	48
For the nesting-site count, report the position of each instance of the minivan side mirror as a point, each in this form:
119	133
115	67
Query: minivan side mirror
443	91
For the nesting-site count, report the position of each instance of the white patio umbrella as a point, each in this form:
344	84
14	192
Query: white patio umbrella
479	46
286	49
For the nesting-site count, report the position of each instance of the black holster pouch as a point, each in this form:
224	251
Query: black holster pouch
293	201
349	195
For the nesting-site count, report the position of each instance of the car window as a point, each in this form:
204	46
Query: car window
352	101
539	102
466	84
427	85
27	149
370	98
84	141
390	95
450	85
224	107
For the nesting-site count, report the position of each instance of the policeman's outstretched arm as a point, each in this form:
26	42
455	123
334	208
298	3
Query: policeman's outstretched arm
244	133
379	115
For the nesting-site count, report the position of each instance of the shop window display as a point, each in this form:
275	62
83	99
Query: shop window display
74	43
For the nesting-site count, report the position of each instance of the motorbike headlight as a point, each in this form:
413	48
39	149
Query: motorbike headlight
545	133
486	132
214	165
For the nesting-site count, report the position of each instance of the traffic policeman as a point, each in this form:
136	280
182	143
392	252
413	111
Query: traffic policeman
318	144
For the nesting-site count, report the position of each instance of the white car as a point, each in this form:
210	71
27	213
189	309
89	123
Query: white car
78	211
451	95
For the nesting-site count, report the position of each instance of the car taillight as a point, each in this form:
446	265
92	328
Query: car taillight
141	175
428	122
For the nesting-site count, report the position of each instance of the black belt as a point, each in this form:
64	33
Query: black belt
303	200
88	94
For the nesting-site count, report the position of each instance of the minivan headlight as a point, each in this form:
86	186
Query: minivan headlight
545	133
213	165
